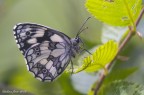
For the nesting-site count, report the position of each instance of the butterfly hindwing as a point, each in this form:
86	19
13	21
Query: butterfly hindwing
47	64
45	50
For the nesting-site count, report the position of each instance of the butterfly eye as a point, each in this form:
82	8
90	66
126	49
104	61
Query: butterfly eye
27	33
77	39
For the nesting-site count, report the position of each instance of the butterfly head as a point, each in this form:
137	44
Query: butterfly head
76	41
76	45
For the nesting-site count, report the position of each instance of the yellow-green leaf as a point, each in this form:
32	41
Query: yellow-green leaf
102	56
115	12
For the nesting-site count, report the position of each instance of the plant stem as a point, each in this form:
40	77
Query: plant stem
125	41
140	16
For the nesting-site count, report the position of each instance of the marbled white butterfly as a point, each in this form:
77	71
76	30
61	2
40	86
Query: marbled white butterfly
47	51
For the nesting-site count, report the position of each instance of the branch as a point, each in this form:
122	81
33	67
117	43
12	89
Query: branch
125	41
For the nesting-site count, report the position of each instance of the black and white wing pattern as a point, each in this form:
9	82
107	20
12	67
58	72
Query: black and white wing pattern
47	51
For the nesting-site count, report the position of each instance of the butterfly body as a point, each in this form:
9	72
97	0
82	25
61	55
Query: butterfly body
47	51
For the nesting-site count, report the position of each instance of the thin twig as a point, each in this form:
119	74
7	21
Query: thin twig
140	16
125	41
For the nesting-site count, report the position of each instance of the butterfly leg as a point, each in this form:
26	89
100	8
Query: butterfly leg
86	51
71	66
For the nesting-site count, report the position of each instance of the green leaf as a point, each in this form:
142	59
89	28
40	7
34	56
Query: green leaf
119	74
115	12
122	88
102	56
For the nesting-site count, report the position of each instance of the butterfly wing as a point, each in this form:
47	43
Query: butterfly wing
46	50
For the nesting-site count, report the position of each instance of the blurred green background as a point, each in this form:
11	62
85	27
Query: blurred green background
63	15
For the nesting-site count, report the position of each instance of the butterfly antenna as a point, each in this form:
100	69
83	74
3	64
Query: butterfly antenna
81	29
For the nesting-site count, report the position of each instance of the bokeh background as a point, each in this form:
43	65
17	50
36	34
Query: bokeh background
66	16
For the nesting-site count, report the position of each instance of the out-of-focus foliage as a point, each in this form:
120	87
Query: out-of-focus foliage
115	12
122	88
82	81
66	16
120	74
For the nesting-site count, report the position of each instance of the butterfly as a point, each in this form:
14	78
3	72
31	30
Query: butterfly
47	51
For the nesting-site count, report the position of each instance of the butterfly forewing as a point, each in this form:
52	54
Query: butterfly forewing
46	50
